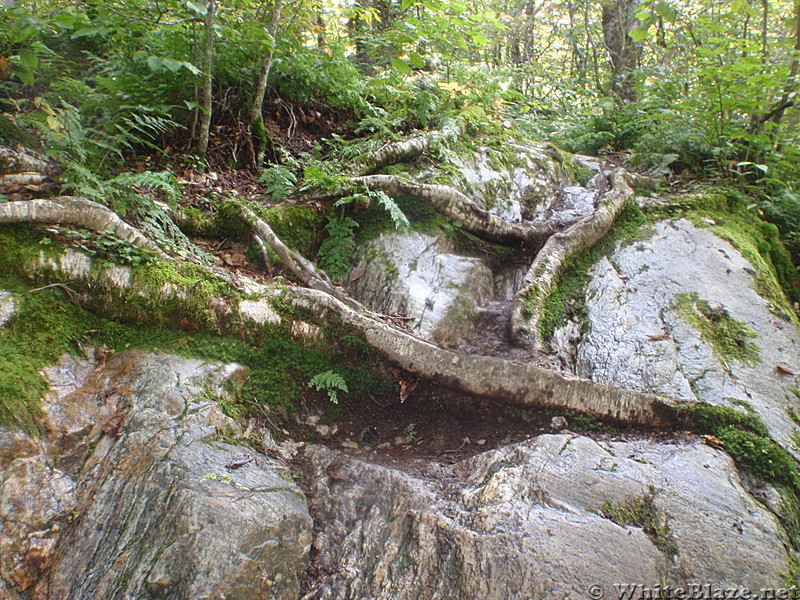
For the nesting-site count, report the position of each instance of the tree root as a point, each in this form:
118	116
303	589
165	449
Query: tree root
528	303
299	266
396	152
77	212
520	384
457	206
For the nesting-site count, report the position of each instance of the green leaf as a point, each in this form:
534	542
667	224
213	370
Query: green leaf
28	59
401	66
638	34
480	39
156	63
25	75
90	32
405	4
666	12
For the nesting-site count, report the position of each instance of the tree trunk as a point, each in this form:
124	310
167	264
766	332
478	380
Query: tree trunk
208	82
257	129
618	20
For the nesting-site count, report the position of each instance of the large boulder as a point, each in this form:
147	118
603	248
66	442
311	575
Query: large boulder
420	276
638	336
546	518
131	494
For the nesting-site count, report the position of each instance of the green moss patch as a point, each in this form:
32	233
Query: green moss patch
727	215
642	512
727	336
47	324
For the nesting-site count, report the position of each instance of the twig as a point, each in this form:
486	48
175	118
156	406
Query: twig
70	292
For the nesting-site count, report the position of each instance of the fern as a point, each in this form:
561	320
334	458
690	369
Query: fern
398	217
330	382
279	181
336	252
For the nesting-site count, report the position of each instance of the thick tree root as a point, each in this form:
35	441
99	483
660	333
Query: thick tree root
458	207
396	152
528	304
76	212
118	291
521	384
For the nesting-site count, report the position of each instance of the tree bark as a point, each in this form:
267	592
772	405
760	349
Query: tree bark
528	303
256	116
208	81
77	212
618	20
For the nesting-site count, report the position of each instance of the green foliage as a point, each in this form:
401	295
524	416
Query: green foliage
337	250
331	383
107	248
279	180
397	216
728	337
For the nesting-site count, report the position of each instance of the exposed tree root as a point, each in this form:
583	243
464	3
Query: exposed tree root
503	380
306	272
397	152
457	206
521	384
528	304
77	212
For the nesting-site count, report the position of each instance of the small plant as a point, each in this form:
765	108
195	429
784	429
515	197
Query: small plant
410	433
336	252
279	180
330	382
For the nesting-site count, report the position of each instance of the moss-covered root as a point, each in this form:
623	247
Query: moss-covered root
78	212
299	266
527	307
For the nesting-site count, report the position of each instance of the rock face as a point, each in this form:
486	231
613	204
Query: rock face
131	495
420	276
527	521
638	340
442	292
519	190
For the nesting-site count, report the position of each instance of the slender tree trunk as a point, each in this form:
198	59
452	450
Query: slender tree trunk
256	117
618	21
208	81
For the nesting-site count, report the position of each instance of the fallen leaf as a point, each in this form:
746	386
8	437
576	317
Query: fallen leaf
784	370
657	337
712	440
5	68
407	387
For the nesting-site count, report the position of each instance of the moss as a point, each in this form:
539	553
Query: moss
47	324
12	134
746	438
642	512
567	299
727	336
727	215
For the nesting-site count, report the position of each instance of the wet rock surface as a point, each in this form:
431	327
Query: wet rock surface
131	494
529	521
421	277
637	339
